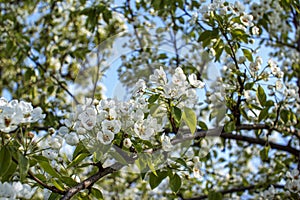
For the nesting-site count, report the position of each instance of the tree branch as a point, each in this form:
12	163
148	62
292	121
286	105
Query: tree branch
57	81
184	137
91	180
51	188
232	190
221	133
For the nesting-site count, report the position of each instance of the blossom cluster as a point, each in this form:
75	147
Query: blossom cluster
180	87
275	17
235	9
293	182
101	121
13	113
15	190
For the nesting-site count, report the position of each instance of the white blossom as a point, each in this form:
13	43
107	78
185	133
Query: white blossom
166	142
88	118
159	77
247	19
72	139
55	142
51	154
127	143
105	137
139	88
113	125
195	82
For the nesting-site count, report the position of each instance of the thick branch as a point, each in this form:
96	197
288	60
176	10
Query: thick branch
91	180
217	132
221	133
51	188
233	190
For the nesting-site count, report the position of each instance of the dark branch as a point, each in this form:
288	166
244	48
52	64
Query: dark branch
51	188
233	190
217	132
91	180
221	133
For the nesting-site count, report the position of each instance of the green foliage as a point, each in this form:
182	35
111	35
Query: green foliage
190	118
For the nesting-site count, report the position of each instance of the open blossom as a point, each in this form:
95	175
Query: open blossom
72	139
293	182
105	137
179	77
14	113
147	128
140	87
194	82
166	142
256	65
269	194
127	143
50	154
197	167
88	118
16	190
113	126
159	77
55	142
174	91
247	19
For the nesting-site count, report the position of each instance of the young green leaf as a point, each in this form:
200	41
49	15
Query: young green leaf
78	159
261	95
23	166
155	180
248	54
214	195
175	182
5	160
48	168
190	118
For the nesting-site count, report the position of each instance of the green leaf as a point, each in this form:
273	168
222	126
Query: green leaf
189	117
263	114
107	15
97	193
54	196
151	165
261	95
118	157
249	86
78	159
214	195
264	153
154	108
48	168
229	127
203	125
5	161
23	166
248	54
153	98
80	148
175	182
208	35
176	113
58	184
12	169
69	181
155	180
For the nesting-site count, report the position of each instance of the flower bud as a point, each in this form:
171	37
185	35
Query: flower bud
127	143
